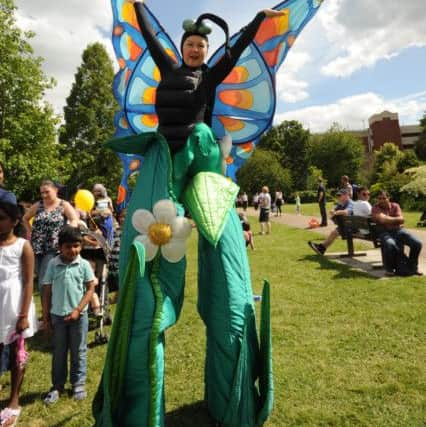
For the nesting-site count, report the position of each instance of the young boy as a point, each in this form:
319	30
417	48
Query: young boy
68	286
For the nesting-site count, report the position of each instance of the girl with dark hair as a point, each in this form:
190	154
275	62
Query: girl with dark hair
17	311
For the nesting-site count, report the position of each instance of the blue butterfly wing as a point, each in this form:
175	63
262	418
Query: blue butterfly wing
135	83
246	100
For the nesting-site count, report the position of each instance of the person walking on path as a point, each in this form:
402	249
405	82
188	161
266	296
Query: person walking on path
265	209
279	201
322	201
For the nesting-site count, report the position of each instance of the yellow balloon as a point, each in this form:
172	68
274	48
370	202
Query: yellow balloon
84	200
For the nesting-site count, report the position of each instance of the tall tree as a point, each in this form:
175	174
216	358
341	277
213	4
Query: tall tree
264	168
291	142
337	153
89	121
27	125
421	142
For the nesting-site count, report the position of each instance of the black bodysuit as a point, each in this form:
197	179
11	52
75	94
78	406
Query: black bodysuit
186	95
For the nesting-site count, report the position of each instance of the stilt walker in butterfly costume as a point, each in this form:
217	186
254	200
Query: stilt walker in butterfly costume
193	105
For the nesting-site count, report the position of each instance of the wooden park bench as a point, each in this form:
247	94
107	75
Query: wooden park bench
358	227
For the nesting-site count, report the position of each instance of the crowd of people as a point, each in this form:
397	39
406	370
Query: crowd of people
71	253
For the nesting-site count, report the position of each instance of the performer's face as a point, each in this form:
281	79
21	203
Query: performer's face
194	51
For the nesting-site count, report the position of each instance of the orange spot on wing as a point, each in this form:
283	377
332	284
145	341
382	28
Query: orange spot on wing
230	124
156	74
124	123
172	55
271	57
121	63
148	96
121	196
247	147
237	75
290	40
149	120
134	49
229	160
118	30
134	164
237	98
272	27
129	14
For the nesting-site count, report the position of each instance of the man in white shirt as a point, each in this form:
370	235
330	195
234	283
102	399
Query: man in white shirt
362	206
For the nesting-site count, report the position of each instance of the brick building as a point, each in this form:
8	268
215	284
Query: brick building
384	127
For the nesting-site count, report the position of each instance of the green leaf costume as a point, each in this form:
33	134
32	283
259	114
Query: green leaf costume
238	383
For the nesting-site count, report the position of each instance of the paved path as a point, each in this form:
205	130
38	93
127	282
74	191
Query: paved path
366	263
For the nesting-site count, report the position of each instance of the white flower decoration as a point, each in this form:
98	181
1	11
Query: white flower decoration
162	228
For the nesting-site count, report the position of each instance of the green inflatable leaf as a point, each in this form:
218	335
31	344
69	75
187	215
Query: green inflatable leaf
208	198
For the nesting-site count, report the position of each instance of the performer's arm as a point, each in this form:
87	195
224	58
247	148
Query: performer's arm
224	66
158	53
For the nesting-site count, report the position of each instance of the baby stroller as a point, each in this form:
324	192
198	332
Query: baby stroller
96	250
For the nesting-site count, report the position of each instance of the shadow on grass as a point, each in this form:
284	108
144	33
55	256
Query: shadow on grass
39	342
24	399
343	271
195	414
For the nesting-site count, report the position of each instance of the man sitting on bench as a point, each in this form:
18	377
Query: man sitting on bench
344	206
394	237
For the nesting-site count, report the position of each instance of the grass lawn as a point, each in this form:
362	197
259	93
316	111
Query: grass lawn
349	350
411	217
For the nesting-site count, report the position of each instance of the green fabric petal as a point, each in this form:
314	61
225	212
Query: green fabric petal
266	378
109	391
134	144
209	197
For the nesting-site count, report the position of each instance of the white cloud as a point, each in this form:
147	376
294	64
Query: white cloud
289	88
63	30
363	31
353	112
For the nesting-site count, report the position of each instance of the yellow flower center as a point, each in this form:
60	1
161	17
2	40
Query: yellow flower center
160	234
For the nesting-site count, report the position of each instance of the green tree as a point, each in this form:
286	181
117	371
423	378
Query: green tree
421	142
28	144
408	160
89	122
389	165
414	192
337	153
389	154
291	142
264	168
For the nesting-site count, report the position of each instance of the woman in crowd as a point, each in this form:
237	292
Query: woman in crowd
103	212
49	215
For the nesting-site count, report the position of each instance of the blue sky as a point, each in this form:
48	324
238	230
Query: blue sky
354	59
